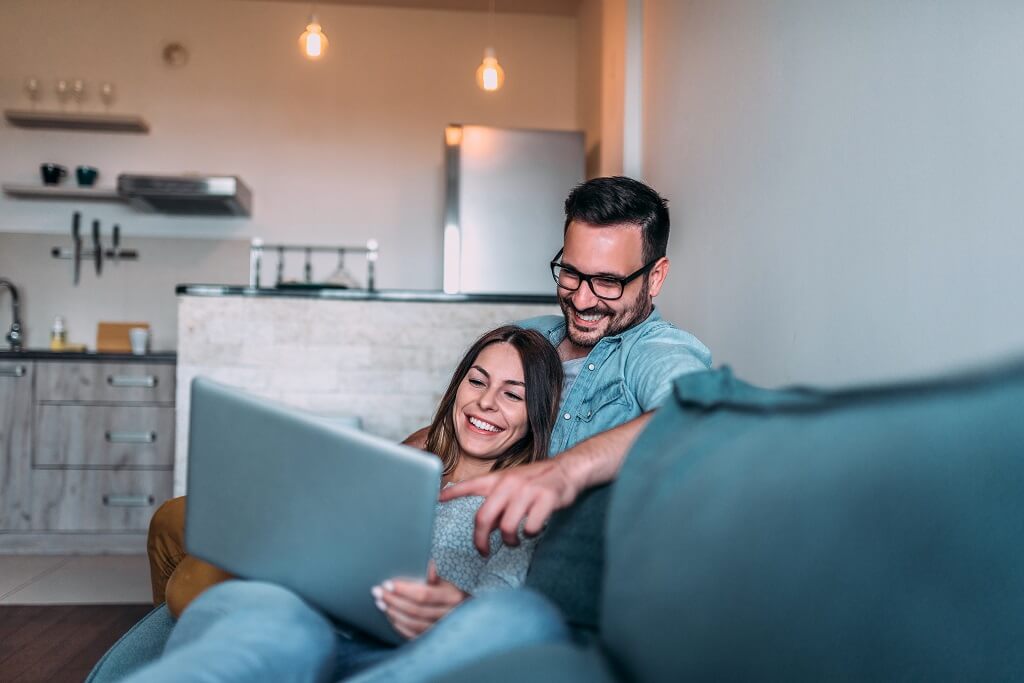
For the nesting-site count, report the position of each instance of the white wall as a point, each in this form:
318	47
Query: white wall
135	291
336	152
845	181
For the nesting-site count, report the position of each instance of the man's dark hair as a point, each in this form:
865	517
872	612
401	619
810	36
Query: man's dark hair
615	200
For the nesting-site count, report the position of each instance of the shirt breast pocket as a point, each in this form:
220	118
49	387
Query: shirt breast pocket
608	407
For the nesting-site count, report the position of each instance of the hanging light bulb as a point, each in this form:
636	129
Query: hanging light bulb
313	42
489	75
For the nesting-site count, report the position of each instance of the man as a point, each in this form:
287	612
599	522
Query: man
619	358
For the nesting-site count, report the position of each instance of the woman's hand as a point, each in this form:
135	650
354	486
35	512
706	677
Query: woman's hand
412	607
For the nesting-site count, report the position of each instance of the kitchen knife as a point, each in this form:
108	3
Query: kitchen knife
116	238
76	235
97	248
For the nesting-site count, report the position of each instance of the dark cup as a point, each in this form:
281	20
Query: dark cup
52	173
87	175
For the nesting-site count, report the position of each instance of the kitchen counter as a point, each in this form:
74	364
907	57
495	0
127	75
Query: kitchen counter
425	296
384	357
46	354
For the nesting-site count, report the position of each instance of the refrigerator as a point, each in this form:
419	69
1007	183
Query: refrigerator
504	206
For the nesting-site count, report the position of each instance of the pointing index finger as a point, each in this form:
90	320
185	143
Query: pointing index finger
487	519
480	486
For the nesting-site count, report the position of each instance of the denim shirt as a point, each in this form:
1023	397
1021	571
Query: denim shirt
624	375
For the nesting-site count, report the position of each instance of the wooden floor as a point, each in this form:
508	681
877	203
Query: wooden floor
58	643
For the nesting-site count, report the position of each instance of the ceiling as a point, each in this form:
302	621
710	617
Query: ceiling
565	8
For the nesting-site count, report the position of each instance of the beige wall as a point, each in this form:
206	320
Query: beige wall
613	65
601	83
335	152
588	80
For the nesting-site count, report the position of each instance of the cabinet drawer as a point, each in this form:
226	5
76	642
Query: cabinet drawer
97	500
105	382
114	436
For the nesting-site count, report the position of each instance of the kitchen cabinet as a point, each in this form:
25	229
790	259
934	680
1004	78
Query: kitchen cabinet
88	452
15	443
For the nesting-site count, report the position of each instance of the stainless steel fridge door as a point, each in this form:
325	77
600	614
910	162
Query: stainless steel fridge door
504	214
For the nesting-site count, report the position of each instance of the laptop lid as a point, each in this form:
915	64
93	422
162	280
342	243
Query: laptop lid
280	495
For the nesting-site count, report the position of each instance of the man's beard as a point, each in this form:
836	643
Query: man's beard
612	324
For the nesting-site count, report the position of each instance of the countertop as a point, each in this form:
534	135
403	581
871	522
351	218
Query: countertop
364	295
89	356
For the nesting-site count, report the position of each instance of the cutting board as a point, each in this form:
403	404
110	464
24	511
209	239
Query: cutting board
113	337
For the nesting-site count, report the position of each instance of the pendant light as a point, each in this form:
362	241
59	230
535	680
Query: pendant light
489	75
313	41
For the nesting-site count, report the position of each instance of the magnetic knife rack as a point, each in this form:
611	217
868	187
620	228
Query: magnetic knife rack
97	254
257	249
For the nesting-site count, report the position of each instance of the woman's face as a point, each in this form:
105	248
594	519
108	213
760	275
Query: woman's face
490	404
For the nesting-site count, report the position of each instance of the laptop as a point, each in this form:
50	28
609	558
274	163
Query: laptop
281	495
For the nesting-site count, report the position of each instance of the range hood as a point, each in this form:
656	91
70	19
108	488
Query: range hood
189	195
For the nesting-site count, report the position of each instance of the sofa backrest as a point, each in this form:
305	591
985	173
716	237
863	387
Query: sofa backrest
870	534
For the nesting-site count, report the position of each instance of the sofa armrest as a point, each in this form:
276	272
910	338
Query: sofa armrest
142	644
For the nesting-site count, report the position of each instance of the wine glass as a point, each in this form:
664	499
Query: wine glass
78	91
32	87
108	93
63	90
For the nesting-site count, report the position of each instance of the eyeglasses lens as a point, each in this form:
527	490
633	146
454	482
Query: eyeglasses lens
602	287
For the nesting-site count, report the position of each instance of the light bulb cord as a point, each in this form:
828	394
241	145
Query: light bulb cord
490	25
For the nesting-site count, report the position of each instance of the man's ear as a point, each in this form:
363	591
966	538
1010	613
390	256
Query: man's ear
657	276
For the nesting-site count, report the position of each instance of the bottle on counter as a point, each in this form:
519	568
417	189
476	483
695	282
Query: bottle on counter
58	335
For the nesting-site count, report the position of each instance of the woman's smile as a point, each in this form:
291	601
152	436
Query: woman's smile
490	405
483	426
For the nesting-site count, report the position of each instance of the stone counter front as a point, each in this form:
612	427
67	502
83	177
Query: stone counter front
386	362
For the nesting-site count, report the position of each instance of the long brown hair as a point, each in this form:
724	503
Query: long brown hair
542	371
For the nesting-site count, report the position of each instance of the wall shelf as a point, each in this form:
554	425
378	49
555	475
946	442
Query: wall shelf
103	194
61	120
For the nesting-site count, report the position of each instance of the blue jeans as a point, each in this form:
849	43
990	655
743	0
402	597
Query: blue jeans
254	631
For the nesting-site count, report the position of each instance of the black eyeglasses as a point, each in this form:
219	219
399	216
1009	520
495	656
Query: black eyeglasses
603	286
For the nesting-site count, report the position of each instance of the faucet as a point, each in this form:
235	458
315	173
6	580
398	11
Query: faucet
15	335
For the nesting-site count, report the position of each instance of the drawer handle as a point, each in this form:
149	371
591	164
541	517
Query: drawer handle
145	381
16	371
130	437
129	501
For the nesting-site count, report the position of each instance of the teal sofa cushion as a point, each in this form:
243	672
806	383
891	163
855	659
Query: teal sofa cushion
871	534
568	563
549	663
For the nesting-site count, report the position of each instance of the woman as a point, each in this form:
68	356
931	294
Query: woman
498	412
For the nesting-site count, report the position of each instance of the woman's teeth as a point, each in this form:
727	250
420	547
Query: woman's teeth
486	426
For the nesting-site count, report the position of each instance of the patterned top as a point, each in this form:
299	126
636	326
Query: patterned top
458	560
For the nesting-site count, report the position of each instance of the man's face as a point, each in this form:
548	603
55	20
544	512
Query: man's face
615	251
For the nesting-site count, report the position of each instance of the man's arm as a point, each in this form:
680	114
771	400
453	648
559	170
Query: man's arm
536	490
417	439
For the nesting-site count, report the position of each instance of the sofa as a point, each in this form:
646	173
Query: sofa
860	534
